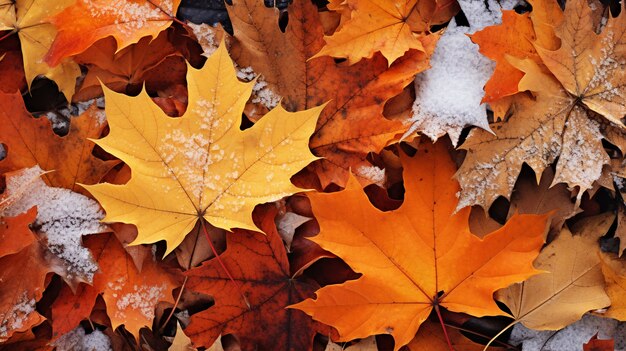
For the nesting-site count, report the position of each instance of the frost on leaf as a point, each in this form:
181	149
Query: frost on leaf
17	316
77	339
63	217
448	96
578	101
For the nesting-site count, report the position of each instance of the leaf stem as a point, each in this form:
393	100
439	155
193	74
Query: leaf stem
443	326
8	35
219	259
173	18
182	288
473	332
500	333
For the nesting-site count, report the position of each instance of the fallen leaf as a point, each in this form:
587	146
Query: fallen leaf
181	341
596	344
373	22
432	261
203	165
31	141
15	233
515	36
573	282
87	21
262	286
614	271
352	124
552	125
11	65
71	307
29	19
287	225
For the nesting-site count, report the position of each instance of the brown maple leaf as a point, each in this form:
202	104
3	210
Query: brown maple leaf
252	303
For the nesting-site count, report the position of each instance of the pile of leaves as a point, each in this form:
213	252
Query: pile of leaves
350	174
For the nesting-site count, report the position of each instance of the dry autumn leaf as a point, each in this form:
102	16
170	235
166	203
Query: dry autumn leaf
373	22
614	270
577	103
352	125
29	19
430	337
572	283
30	141
418	257
200	165
87	21
252	281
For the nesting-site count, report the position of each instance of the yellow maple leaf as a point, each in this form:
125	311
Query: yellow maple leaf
29	19
200	165
391	27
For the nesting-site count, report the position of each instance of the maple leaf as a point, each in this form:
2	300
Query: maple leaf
572	285
260	269
391	27
15	235
87	21
578	102
31	142
28	18
200	165
352	125
417	257
130	295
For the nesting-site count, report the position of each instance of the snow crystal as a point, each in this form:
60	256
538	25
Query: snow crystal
572	337
374	174
63	217
131	16
206	37
602	70
83	106
77	340
261	92
142	299
449	93
14	318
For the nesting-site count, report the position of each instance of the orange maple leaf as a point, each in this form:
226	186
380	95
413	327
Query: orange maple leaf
417	257
87	21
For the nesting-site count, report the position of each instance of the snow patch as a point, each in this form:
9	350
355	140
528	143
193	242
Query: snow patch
14	318
572	337
206	37
63	217
142	299
78	340
449	93
129	16
374	174
261	93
